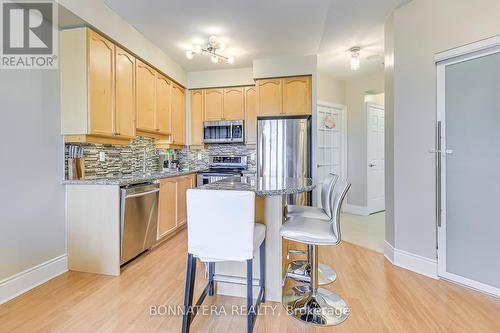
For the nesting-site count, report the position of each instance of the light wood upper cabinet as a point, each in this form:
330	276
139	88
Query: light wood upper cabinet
178	136
196	118
269	97
285	96
167	206
297	95
250	116
163	104
124	93
213	104
101	69
234	104
146	91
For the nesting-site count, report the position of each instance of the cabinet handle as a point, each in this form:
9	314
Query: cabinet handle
157	129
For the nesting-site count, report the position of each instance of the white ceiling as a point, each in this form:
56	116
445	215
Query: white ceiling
265	28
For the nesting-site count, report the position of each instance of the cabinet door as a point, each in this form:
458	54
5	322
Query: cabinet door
183	184
178	115
101	73
124	93
213	104
196	118
297	95
250	116
146	77
234	104
163	104
167	207
269	97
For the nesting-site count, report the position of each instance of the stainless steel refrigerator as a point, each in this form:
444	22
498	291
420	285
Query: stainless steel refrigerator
284	150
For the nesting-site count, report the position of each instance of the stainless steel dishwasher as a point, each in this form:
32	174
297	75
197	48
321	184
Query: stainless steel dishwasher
138	219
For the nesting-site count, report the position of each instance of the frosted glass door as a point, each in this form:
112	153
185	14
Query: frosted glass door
329	143
471	170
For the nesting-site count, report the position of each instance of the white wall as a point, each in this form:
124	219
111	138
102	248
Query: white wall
330	89
389	132
32	224
423	28
356	89
103	18
220	78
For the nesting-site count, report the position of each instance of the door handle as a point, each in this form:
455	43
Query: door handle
371	165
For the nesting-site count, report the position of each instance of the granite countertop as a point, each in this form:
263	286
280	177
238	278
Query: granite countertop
263	186
128	179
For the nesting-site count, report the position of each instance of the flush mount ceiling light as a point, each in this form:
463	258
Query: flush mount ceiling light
212	48
355	64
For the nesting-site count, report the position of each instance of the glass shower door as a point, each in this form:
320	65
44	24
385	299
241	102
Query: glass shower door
469	236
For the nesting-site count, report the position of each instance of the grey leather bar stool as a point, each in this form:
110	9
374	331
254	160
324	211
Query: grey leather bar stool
300	269
316	305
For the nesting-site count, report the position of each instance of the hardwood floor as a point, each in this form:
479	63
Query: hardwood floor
382	298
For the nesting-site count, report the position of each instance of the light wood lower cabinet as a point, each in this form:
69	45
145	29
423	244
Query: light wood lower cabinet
172	209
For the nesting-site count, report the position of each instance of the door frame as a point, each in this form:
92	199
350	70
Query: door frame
464	53
369	210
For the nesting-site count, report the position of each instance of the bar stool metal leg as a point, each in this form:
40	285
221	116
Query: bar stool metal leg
317	306
187	316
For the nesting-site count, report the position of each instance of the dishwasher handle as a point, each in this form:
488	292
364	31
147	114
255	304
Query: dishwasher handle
142	194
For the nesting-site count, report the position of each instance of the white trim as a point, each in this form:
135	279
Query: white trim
468	48
416	263
356	210
20	283
389	251
410	261
471	284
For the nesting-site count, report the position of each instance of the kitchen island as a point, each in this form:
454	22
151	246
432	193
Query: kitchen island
270	204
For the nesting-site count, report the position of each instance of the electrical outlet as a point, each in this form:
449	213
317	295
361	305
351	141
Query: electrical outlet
199	156
102	156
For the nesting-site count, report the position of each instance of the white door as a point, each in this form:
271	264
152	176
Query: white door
468	156
331	145
375	154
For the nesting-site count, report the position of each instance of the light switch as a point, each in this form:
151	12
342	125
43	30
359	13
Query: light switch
199	156
102	156
252	156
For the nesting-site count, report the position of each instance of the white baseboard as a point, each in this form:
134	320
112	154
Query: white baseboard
389	252
356	210
411	261
20	283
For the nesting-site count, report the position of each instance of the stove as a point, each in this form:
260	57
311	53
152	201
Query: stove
222	167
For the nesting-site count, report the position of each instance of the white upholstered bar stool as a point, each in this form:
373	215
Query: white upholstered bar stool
300	269
221	227
316	305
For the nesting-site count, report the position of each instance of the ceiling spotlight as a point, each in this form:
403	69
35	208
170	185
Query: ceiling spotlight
355	63
212	48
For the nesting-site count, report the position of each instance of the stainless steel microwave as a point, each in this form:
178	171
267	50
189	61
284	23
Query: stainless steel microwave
225	131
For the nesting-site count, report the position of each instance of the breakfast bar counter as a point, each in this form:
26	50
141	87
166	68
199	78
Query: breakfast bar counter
270	204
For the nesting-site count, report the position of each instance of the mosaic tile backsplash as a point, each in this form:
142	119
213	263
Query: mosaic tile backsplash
129	159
